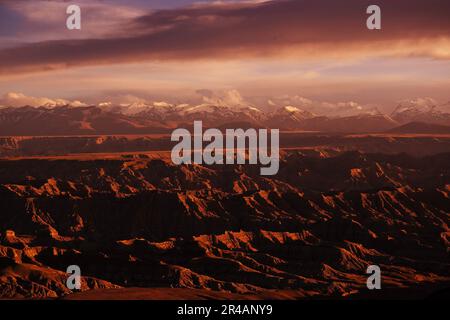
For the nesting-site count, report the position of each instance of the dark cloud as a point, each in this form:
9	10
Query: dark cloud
247	30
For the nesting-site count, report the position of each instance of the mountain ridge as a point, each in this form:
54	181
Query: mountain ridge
141	118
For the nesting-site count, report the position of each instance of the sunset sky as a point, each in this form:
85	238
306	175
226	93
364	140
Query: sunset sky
140	49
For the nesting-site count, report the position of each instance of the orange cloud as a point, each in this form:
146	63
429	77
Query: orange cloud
295	28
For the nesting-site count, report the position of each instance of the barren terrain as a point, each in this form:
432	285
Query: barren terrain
135	220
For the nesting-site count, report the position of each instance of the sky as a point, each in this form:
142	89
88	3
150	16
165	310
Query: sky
317	49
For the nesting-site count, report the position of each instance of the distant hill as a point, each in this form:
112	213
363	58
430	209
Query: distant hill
422	110
421	127
67	120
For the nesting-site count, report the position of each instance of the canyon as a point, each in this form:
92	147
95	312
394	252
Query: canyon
138	222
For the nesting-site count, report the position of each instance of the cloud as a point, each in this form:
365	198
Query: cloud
15	99
286	28
233	98
324	108
229	98
43	20
131	104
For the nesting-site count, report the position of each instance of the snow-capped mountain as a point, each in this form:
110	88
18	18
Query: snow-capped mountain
233	112
294	113
163	117
322	108
288	117
210	114
422	110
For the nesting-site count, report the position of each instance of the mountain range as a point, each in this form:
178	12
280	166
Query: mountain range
141	118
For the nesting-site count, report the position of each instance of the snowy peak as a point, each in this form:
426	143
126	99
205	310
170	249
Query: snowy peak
294	112
422	110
